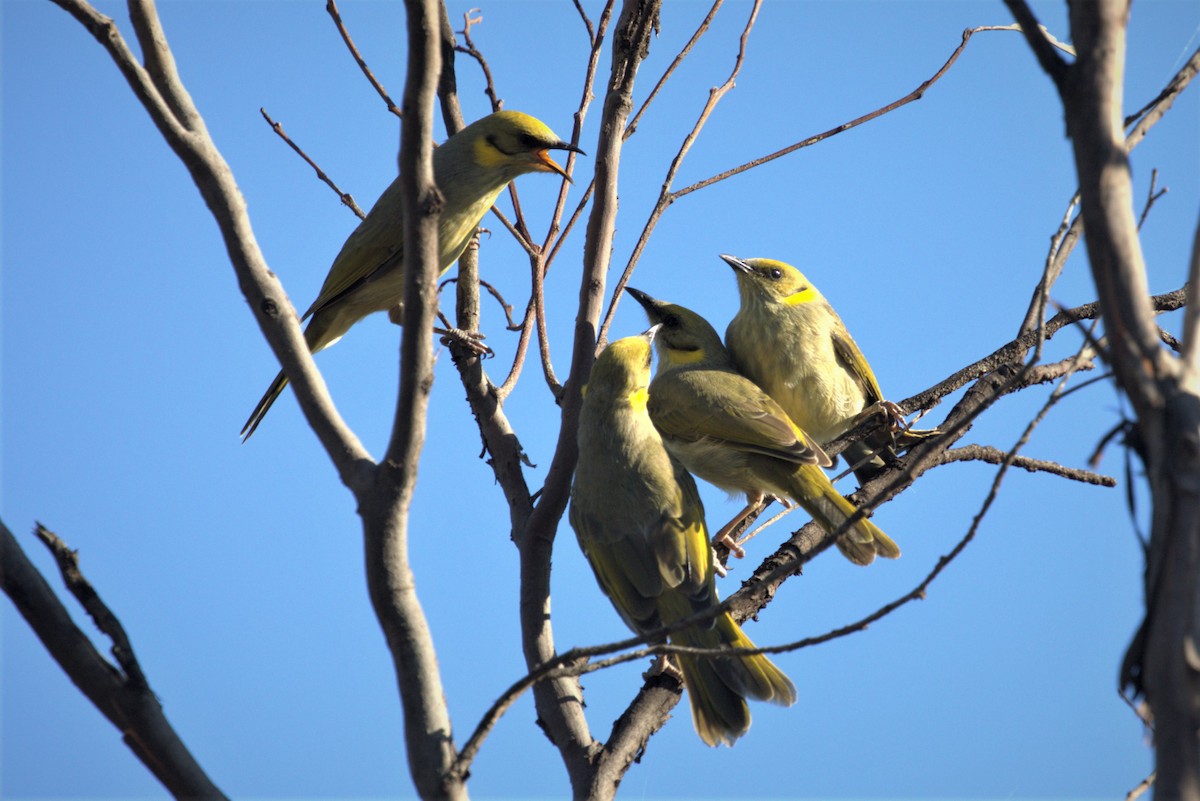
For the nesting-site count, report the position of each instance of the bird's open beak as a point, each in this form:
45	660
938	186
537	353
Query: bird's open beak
651	331
736	263
549	164
653	307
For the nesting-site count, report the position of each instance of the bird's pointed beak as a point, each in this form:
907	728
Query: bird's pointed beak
650	332
736	263
653	307
543	156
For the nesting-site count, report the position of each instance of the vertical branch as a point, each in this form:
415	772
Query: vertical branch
498	435
385	506
666	197
1163	661
1191	320
559	701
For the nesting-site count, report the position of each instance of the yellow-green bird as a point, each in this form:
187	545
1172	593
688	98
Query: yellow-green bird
640	523
471	168
727	430
788	339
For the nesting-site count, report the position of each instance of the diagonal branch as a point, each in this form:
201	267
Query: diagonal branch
187	136
122	693
331	8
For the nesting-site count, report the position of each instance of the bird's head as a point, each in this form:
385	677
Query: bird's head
622	370
515	143
768	279
683	337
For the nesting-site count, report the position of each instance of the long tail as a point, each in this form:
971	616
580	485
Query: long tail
260	411
322	331
809	486
719	686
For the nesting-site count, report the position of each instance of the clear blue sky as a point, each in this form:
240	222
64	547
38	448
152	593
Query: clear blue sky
130	361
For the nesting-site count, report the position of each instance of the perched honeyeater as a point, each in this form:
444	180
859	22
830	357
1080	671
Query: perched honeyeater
470	168
727	430
788	339
640	523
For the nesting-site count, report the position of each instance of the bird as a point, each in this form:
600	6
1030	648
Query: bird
640	523
788	339
725	429
470	168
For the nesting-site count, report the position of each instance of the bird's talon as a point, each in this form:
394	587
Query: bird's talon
471	340
729	542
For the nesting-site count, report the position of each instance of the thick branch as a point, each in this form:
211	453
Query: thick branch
188	137
122	695
559	702
385	507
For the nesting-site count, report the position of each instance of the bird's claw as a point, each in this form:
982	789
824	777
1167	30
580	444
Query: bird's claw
471	340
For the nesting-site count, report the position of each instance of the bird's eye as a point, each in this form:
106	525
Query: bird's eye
491	140
530	142
671	321
775	273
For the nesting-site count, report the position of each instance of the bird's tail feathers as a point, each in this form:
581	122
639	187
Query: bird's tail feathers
863	541
718	686
260	411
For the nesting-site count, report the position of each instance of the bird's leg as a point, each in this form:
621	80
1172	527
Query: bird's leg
895	415
449	334
664	665
892	413
471	340
754	502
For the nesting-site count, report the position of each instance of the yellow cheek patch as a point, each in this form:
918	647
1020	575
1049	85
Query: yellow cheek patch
806	295
684	356
638	399
486	154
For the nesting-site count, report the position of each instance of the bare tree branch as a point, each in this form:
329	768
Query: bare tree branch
666	197
187	136
121	693
559	702
332	8
916	94
346	198
985	453
385	508
1162	661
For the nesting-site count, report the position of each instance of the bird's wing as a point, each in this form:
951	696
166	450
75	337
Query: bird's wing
725	406
623	564
377	243
852	359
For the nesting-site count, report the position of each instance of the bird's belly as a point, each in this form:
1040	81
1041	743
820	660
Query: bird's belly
715	462
823	403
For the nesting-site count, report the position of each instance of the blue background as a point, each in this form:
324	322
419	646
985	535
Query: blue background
129	362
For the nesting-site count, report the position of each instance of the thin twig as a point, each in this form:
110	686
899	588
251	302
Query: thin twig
472	51
93	604
1141	788
120	693
916	94
332	8
1062	242
544	259
346	198
665	197
495	293
990	455
1151	197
